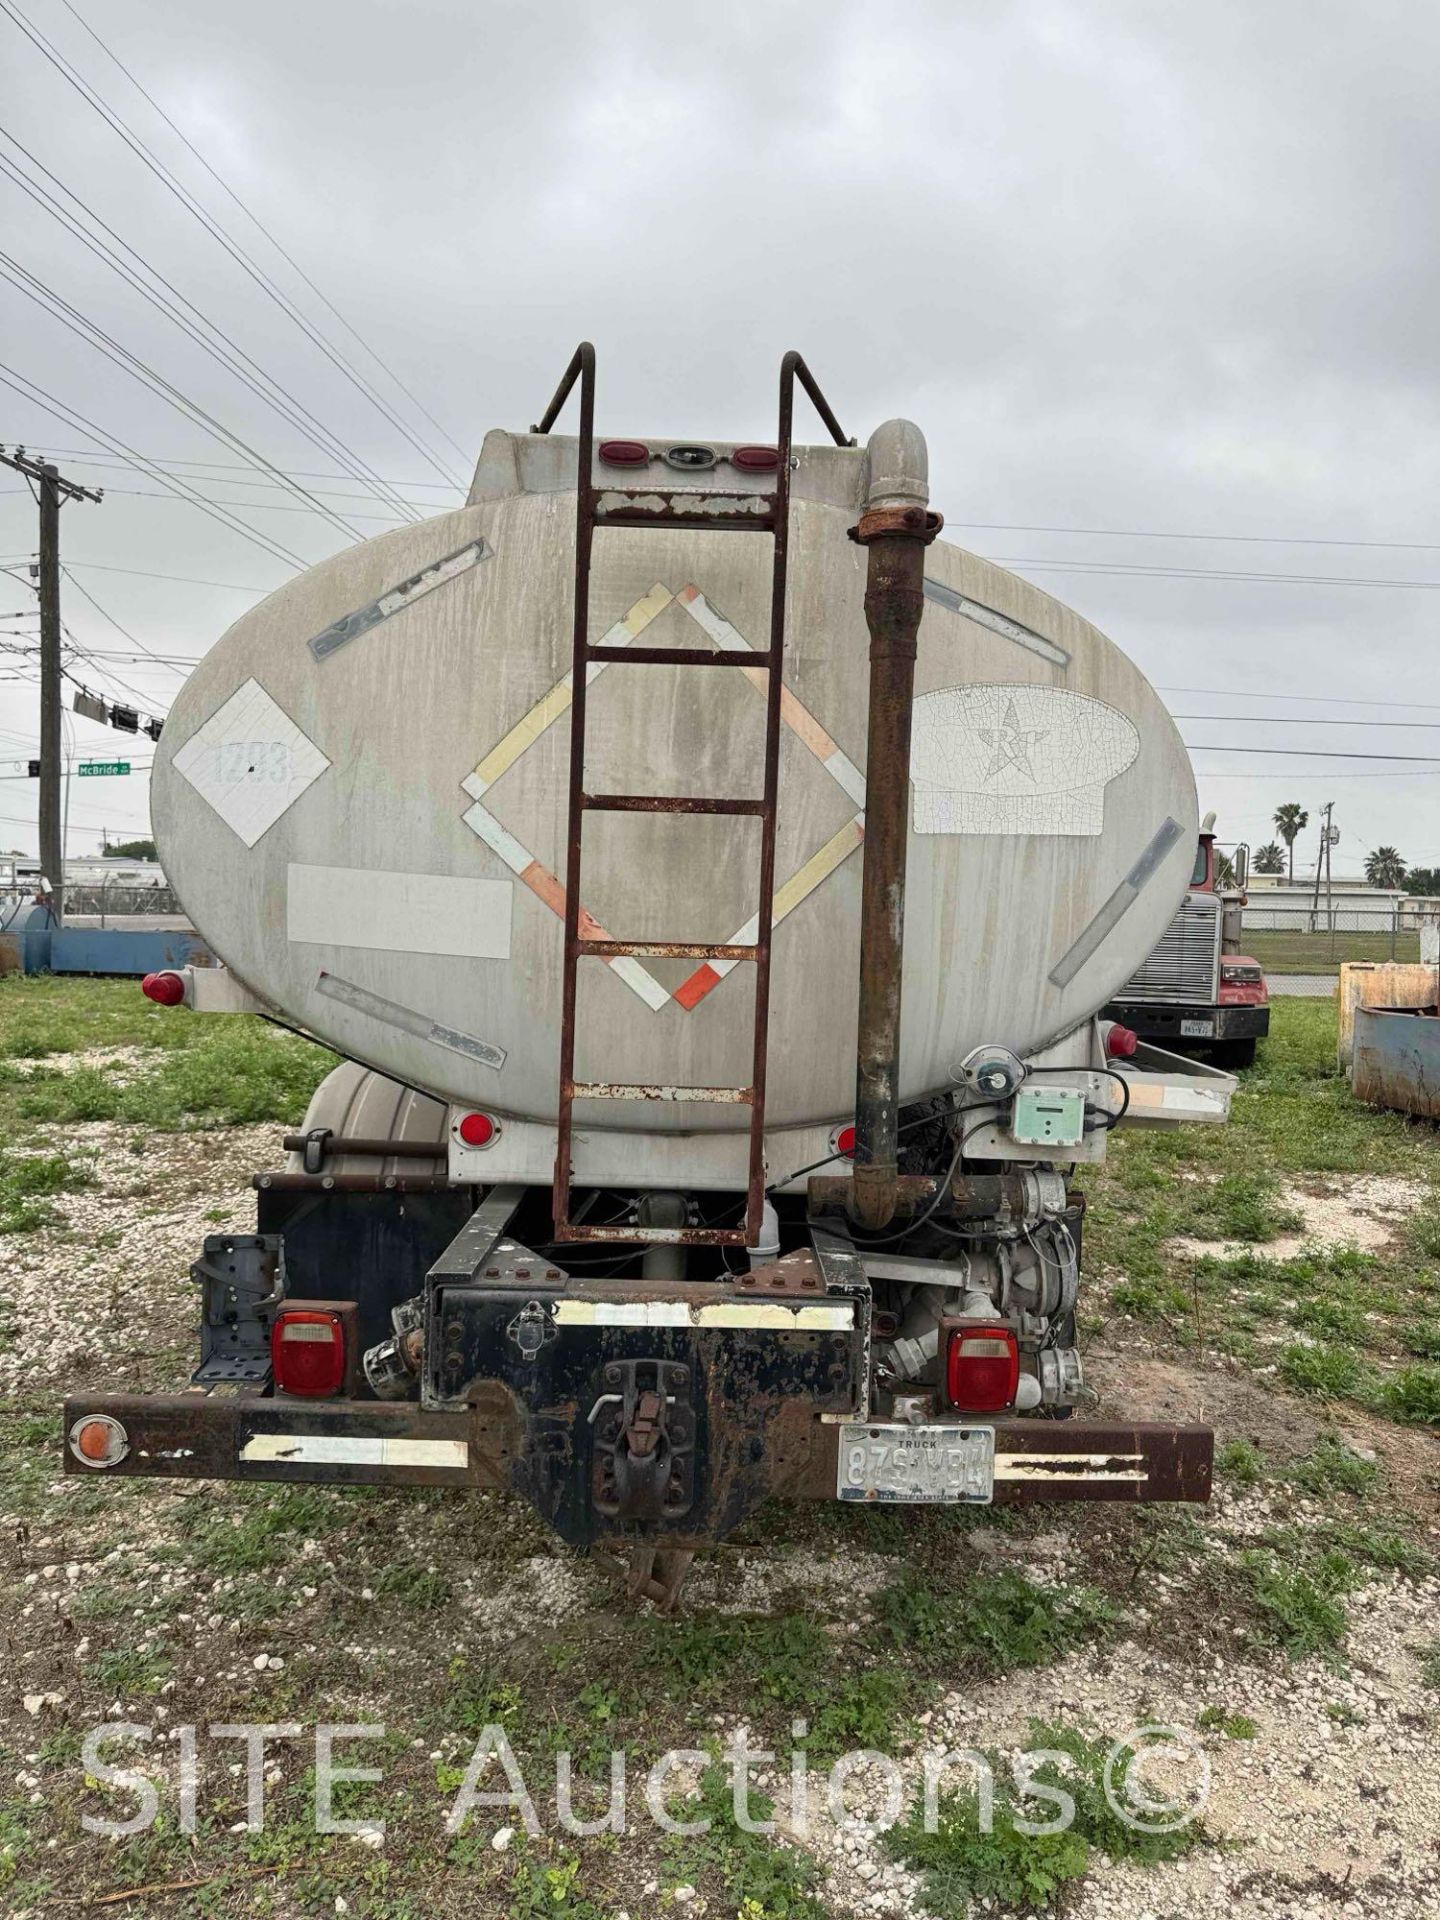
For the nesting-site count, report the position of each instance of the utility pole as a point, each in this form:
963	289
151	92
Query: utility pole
1322	856
54	492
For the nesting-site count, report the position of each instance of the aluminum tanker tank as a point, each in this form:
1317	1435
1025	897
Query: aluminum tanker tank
360	796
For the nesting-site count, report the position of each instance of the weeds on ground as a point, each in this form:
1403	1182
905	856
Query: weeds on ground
1234	1726
762	1881
28	1185
782	1662
999	1621
963	1864
1300	1608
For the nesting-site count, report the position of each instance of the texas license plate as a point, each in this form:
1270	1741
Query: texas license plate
928	1465
1197	1029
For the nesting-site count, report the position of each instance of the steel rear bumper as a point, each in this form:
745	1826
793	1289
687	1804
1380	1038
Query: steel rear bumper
376	1443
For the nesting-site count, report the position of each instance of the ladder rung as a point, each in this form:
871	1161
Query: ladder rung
620	1090
651	1236
665	950
680	656
665	803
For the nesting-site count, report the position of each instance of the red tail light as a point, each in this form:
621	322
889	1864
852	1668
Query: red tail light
1121	1042
982	1368
307	1352
624	453
477	1129
756	459
165	989
842	1141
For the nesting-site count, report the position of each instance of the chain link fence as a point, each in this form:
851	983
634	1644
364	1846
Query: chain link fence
107	898
1317	939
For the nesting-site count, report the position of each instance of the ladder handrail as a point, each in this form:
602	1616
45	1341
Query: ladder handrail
582	370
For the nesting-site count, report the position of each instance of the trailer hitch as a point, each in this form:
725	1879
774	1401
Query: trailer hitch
644	1459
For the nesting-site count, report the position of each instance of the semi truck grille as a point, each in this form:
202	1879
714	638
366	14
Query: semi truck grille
1185	965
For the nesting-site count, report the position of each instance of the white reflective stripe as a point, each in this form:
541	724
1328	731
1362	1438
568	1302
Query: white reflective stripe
1071	1466
678	1313
355	1450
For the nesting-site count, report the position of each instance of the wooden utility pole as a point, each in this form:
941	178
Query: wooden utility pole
54	491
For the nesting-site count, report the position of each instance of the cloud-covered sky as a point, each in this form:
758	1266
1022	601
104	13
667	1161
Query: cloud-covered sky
1159	281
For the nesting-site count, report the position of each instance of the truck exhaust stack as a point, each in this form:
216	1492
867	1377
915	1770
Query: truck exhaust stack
895	529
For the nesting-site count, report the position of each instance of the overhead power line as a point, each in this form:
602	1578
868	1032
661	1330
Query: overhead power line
1247	539
1141	570
19	383
390	519
92	96
213	340
188	579
50	302
1304	753
1330	699
256	221
1300	720
85	455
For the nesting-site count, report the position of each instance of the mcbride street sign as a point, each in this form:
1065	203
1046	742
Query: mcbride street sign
103	766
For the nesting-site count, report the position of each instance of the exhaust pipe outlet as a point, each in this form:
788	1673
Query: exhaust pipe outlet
895	528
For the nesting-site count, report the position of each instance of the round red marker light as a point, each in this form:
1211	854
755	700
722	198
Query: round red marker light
1121	1042
842	1141
165	989
477	1129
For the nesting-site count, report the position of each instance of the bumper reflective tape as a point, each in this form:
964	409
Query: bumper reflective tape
354	1450
739	1315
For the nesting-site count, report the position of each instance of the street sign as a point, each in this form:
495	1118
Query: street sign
103	766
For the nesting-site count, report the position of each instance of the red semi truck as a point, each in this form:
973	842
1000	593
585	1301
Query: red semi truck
1197	992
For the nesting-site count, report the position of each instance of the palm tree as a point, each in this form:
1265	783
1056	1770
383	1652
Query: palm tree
1270	858
1385	868
1290	822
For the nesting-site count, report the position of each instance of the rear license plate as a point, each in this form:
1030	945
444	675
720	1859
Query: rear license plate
1197	1029
926	1465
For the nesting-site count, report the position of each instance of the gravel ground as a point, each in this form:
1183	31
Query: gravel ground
1332	1807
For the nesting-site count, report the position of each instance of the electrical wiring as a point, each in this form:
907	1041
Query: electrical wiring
105	614
19	382
255	220
93	98
105	343
213	340
1140	570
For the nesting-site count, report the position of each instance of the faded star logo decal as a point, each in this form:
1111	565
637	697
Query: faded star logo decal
1011	743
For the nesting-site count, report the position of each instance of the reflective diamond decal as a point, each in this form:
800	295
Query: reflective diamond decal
250	762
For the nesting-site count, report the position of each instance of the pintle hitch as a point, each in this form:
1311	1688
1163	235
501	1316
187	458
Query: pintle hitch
644	1462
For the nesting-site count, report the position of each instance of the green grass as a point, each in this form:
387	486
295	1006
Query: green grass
762	1881
779	1667
1234	1726
1338	1324
999	1622
198	1069
28	1185
1287	950
1300	1609
964	1866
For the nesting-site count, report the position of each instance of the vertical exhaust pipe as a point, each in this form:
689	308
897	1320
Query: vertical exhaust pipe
896	528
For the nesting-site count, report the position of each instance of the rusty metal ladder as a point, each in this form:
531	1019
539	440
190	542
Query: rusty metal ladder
613	506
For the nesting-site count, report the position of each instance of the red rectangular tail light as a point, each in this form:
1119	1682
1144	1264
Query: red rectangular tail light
982	1368
307	1351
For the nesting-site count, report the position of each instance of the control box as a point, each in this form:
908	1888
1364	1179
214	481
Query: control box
1048	1117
